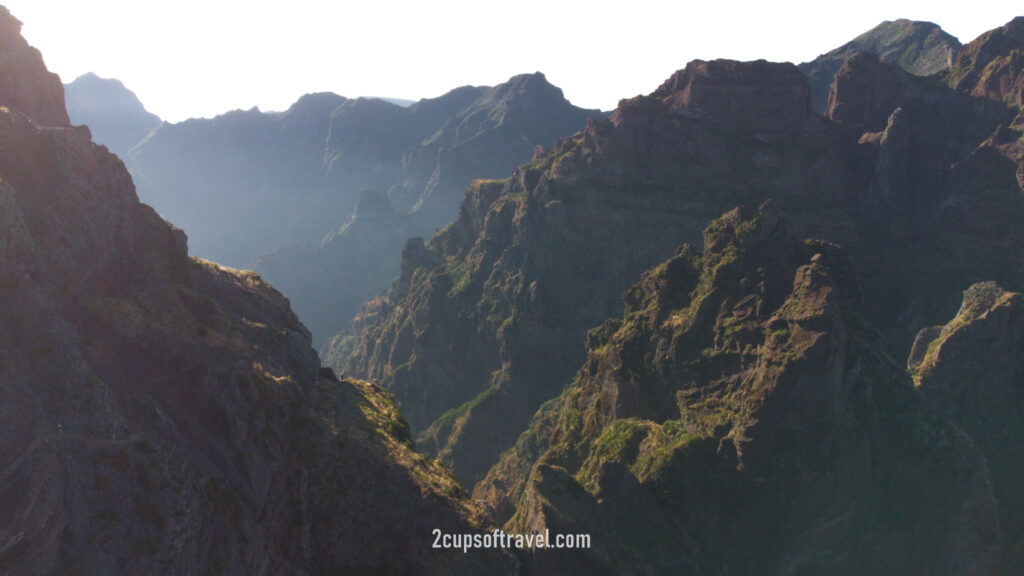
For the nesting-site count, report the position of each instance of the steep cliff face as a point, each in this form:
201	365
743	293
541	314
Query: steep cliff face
161	414
114	115
487	320
972	368
920	48
992	67
741	398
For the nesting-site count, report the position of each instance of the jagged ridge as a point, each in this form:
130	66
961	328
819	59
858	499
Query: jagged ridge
740	397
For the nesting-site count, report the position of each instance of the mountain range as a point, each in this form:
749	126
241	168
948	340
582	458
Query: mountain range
731	327
917	177
278	191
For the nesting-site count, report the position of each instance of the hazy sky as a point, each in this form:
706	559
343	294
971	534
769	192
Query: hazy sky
203	57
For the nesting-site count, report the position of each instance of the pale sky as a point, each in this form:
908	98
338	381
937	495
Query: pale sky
199	58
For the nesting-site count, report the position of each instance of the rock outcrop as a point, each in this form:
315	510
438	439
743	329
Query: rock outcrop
164	415
741	398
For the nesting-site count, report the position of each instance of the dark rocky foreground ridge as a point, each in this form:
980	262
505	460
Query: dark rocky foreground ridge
741	398
163	415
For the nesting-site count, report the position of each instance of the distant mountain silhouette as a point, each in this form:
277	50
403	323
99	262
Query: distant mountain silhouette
112	112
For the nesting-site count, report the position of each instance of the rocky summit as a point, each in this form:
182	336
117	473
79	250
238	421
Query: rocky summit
160	414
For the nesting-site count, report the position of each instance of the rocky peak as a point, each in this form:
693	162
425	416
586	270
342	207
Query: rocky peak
527	86
315	105
113	113
992	65
25	84
972	368
920	48
756	95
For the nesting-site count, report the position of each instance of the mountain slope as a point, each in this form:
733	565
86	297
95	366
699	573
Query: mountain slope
488	319
491	315
161	414
740	398
112	112
921	48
